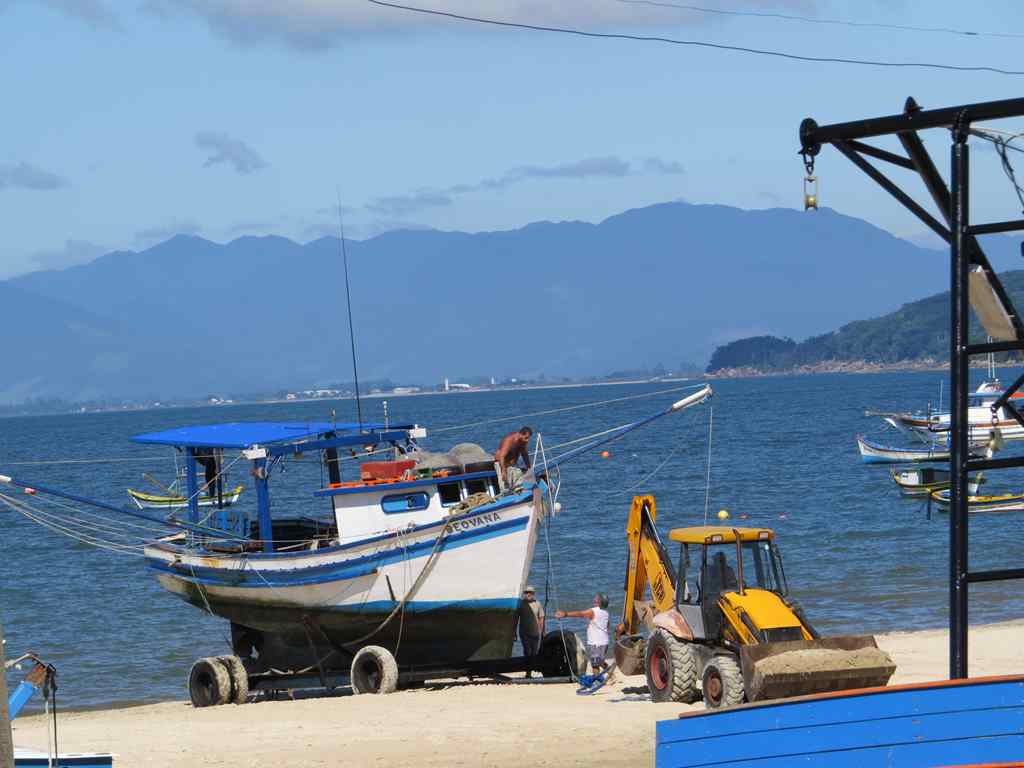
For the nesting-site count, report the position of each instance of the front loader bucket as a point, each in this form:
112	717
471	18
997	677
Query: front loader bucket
797	667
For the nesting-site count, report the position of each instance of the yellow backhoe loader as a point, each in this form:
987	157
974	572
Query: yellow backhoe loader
724	621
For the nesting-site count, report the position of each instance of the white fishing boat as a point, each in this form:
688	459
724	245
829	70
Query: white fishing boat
980	415
420	562
872	452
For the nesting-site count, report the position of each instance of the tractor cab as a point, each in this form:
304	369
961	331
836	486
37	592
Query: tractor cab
736	571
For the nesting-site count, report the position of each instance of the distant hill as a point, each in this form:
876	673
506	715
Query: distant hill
915	332
672	281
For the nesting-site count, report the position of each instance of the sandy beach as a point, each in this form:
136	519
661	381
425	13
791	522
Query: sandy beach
455	725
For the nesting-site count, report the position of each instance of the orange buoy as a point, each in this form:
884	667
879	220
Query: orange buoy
605	454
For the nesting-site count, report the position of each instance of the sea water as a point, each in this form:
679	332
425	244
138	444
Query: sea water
858	556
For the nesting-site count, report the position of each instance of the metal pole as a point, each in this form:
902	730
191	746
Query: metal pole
959	334
6	743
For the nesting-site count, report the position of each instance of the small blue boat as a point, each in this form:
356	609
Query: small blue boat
948	723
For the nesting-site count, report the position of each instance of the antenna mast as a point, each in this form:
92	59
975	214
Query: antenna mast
348	302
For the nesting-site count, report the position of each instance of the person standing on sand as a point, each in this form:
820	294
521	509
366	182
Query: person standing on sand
530	622
514	445
597	630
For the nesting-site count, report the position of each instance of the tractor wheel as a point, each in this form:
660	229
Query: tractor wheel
671	668
374	670
722	683
209	683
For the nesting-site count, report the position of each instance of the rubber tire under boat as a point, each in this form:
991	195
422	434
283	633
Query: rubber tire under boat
239	679
374	670
209	683
561	654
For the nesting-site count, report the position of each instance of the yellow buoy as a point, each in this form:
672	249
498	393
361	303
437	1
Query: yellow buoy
723	514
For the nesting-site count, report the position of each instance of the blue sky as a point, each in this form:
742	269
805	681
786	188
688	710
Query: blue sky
127	122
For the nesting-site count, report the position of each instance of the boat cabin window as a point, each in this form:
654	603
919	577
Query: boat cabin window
477	486
450	493
405	502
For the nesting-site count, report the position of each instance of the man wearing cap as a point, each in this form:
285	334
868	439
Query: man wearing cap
597	630
530	622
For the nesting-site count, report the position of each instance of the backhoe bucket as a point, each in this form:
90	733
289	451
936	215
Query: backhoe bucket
629	654
797	667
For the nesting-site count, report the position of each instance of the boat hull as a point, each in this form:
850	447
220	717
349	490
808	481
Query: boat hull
875	453
450	588
1011	502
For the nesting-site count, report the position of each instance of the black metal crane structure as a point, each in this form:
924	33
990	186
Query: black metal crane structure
973	283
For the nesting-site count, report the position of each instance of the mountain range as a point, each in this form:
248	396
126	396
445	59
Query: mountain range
666	282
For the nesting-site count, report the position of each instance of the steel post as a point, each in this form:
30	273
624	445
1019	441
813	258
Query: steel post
263	504
958	370
6	742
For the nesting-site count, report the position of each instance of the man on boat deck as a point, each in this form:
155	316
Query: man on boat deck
514	445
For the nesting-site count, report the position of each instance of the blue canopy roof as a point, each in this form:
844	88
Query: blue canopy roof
242	434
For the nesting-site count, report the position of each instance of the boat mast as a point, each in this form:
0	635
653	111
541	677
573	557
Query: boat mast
348	302
6	743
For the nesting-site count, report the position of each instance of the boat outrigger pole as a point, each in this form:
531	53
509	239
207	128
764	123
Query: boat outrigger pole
703	394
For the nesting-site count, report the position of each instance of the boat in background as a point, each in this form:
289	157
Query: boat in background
1007	502
921	481
876	453
156	501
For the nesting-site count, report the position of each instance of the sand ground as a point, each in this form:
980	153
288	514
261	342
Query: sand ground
455	725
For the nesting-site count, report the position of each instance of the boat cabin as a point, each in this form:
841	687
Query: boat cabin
412	488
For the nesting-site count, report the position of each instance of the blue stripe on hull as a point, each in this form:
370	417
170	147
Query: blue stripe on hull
324	574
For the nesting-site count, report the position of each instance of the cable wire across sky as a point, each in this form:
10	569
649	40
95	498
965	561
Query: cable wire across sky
812	20
692	43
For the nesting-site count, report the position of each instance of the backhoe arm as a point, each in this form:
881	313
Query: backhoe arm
648	564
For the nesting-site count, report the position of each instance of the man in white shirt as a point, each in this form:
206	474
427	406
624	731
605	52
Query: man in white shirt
597	630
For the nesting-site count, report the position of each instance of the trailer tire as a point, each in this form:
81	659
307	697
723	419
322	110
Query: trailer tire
374	670
209	683
561	654
670	665
239	679
722	683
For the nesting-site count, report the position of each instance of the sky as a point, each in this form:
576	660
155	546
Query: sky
128	122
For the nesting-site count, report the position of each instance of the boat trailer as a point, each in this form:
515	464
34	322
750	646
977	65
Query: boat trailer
373	669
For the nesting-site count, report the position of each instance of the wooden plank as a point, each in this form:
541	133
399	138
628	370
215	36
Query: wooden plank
1003	749
974	721
825	709
826	740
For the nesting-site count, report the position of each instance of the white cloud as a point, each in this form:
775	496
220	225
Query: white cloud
320	24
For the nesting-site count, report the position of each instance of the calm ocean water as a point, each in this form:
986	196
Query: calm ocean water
858	556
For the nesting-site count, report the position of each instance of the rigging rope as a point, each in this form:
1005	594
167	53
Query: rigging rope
707	479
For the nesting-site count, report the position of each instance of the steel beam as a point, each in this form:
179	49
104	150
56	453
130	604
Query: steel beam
885	183
1006	574
996	227
995	346
812	135
958	369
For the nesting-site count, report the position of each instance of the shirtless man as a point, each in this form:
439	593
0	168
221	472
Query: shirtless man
514	445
